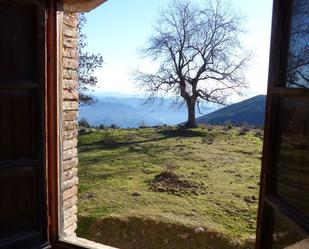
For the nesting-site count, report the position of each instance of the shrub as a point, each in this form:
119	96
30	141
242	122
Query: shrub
227	125
170	167
244	129
83	123
84	131
142	125
259	133
114	126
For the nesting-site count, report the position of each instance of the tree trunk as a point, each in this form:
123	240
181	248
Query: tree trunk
191	114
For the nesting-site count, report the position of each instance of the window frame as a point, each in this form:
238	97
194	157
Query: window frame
281	22
53	127
278	61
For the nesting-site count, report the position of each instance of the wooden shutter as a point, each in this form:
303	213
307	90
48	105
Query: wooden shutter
284	199
22	174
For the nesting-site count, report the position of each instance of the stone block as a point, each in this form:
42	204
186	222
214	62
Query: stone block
68	174
69	202
70	116
70	105
70	231
70	31
69	84
70	212
69	221
70	20
69	144
69	53
70	94
70	125
70	63
68	154
69	42
69	193
69	134
69	164
70	183
70	74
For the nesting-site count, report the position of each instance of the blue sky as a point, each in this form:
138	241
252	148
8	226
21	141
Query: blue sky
118	28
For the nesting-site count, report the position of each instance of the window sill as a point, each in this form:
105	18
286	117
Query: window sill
80	243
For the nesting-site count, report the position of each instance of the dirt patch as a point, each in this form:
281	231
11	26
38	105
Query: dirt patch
171	183
142	233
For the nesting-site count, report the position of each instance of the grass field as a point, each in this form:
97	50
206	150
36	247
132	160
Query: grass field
205	177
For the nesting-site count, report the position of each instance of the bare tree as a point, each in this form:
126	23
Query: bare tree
199	52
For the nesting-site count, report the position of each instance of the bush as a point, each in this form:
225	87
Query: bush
244	129
83	123
227	126
259	133
84	131
142	125
114	126
170	166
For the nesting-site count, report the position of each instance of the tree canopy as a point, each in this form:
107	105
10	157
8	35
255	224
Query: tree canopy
87	64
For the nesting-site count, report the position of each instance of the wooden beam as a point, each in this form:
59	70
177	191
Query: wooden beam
81	5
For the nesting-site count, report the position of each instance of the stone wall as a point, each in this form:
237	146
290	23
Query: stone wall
68	78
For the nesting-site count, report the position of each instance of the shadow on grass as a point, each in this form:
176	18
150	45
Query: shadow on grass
107	175
123	155
181	132
164	134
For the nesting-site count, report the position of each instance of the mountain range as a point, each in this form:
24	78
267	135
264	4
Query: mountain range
131	111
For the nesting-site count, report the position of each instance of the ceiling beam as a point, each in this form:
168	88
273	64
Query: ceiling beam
81	5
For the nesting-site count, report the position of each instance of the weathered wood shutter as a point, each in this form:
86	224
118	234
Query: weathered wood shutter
284	199
22	156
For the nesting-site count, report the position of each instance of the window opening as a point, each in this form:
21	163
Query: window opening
144	180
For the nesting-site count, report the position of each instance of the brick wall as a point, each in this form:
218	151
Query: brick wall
69	179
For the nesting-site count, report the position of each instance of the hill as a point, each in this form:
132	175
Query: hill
160	181
250	111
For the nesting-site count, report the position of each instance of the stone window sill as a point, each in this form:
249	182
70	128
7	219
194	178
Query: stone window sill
88	244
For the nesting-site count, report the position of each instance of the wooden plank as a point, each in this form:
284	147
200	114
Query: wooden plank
18	163
18	84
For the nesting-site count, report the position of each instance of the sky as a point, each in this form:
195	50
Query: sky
118	29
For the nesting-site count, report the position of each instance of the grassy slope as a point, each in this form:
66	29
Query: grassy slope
116	163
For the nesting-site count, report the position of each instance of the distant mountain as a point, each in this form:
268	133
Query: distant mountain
251	111
131	112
